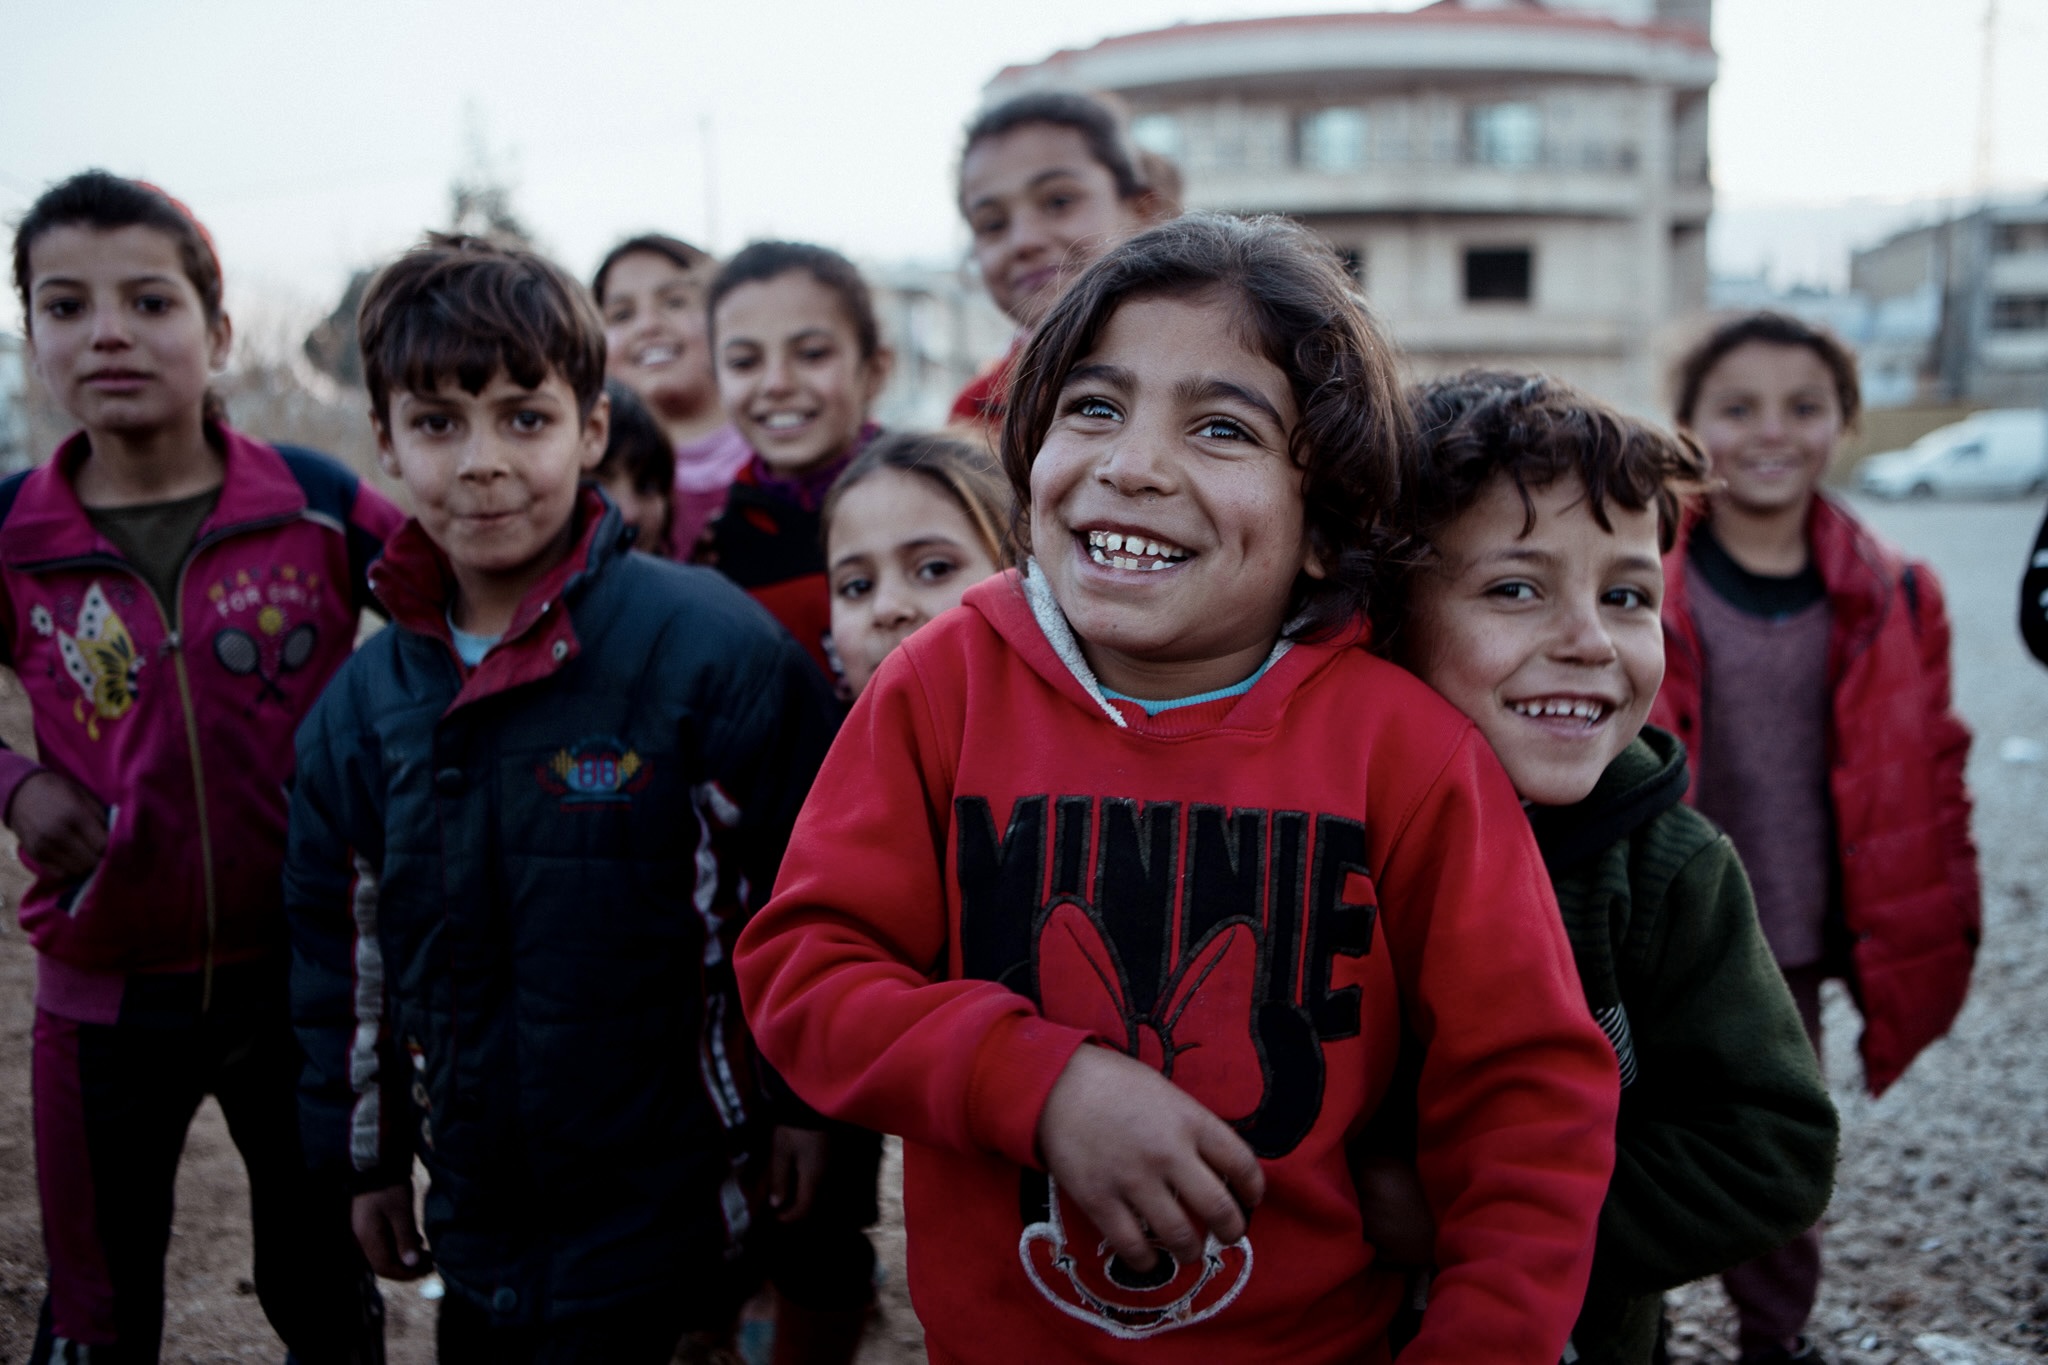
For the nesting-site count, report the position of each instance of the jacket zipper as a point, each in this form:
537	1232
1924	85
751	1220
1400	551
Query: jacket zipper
174	643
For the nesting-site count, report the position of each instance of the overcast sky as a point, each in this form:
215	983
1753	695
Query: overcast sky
316	137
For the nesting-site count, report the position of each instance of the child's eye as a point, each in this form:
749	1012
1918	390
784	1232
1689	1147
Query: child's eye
1222	429
814	354
1058	203
152	303
990	226
937	569
854	588
1629	599
1099	408
1514	590
63	308
433	424
527	421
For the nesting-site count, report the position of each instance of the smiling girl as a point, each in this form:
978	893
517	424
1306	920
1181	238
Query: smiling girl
173	597
1808	675
650	291
913	523
1122	882
1048	182
800	361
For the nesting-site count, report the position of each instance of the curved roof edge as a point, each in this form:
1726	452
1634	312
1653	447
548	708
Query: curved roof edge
1445	15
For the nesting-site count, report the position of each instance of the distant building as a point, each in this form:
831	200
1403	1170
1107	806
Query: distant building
1975	288
943	328
1514	182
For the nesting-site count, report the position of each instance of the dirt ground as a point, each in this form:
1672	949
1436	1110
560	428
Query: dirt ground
1937	1240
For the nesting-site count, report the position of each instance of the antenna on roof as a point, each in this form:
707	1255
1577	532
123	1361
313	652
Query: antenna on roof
1986	108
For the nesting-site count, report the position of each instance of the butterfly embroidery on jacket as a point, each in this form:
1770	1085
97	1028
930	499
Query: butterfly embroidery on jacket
101	658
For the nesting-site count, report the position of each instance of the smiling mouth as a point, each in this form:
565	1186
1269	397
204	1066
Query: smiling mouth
1587	711
1130	550
649	357
786	421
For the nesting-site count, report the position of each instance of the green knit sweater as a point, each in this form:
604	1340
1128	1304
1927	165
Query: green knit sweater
1725	1146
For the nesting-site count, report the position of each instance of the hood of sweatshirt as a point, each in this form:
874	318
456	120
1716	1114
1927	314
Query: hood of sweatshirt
1645	780
1019	606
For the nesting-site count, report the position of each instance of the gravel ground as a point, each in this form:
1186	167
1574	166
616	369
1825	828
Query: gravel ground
1937	1241
1938	1237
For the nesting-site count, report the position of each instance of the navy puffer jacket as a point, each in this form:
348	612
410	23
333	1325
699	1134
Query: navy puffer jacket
513	892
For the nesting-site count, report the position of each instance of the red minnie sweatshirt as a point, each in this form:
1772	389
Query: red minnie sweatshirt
1256	895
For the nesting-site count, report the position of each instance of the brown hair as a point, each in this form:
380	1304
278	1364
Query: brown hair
1770	329
759	262
1297	307
636	446
955	468
685	257
1532	430
1101	129
467	308
106	202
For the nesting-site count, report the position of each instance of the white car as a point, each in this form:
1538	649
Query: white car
1987	454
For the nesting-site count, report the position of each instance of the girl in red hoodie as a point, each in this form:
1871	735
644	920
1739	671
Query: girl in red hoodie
173	597
1123	883
1807	671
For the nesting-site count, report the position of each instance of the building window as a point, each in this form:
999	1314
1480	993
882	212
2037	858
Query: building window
1157	133
1498	274
1333	139
2011	239
1505	134
2019	313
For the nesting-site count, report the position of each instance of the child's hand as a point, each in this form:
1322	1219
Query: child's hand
61	827
1140	1155
1396	1215
384	1227
796	1164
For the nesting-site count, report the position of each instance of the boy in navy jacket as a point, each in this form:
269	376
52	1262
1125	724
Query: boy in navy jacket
527	822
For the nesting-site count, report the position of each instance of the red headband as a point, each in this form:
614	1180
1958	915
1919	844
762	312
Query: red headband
205	237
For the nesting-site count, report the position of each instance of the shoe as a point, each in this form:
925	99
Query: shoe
1801	1352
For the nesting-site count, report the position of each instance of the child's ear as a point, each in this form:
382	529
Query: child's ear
220	339
597	430
1312	560
387	458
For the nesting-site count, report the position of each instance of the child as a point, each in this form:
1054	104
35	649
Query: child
526	819
1809	680
913	523
650	290
1151	795
173	596
638	471
1535	613
1048	182
800	362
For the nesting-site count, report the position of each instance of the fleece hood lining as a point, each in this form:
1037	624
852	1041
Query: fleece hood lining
1045	608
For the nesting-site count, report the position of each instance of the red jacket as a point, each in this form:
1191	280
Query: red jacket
1908	868
181	727
1257	895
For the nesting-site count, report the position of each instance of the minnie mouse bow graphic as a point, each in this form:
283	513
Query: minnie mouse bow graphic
1200	1037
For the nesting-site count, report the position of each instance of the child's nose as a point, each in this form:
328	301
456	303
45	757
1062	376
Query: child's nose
110	329
1583	636
1135	462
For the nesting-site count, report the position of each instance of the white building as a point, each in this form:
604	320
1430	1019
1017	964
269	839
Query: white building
1515	182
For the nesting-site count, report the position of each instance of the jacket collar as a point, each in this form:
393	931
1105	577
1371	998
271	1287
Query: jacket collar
49	523
1646	779
1858	569
1020	607
415	583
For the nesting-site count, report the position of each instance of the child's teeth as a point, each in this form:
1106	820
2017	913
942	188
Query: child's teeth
1115	542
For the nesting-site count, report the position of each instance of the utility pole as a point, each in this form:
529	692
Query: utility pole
1986	108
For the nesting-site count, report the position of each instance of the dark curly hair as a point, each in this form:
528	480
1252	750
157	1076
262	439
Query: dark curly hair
1298	307
1533	431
